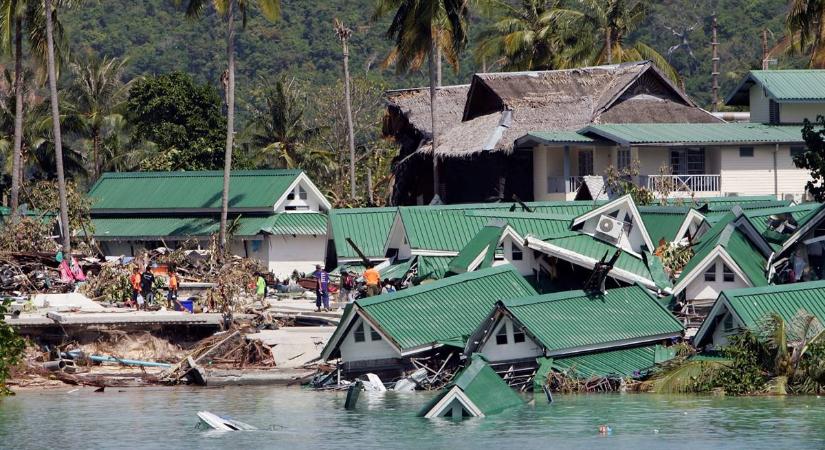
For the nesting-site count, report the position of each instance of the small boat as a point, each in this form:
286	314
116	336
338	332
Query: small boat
222	423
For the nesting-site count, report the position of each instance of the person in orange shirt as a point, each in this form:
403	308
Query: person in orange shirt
172	296
134	280
373	281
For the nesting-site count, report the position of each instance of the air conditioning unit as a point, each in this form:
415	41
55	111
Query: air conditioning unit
609	228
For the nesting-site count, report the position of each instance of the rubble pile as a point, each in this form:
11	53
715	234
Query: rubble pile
30	272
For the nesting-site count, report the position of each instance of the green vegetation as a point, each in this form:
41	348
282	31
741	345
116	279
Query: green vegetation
11	348
813	158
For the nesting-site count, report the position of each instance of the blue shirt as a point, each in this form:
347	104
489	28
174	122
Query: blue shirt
323	280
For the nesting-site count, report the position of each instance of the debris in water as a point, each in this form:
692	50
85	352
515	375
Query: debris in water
217	422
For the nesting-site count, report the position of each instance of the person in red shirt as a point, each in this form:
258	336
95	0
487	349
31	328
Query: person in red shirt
134	280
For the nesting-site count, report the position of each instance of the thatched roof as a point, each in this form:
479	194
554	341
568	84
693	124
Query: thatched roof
502	107
414	105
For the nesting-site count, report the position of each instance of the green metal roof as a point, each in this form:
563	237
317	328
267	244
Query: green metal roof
742	250
444	309
299	223
432	268
367	227
591	247
450	228
558	137
483	245
482	386
623	363
792	86
252	189
695	133
752	305
569	321
124	228
663	222
760	219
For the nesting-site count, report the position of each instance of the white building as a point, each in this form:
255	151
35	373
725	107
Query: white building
275	216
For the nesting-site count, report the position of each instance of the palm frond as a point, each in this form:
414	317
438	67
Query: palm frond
684	376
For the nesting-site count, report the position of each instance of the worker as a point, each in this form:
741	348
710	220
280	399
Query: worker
172	295
347	285
147	282
134	281
321	288
260	285
373	280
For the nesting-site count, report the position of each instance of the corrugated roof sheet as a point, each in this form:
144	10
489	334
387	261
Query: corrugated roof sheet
754	304
257	189
695	133
298	223
567	321
589	246
624	363
367	227
483	245
559	137
662	222
761	219
792	85
181	226
444	309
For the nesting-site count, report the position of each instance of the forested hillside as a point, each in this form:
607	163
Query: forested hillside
157	38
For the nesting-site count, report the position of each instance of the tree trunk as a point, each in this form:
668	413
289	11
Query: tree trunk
608	42
433	111
230	120
350	132
438	60
16	179
58	142
96	152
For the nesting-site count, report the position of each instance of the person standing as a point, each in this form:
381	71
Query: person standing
147	281
260	286
134	280
321	288
172	296
373	280
347	285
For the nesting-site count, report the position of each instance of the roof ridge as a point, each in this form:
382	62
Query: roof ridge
200	173
565	295
773	288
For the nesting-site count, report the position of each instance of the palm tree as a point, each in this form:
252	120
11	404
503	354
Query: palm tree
270	9
806	29
524	38
278	134
58	141
415	29
97	93
598	31
344	35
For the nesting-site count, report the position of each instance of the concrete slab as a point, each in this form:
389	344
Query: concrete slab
66	302
294	346
134	317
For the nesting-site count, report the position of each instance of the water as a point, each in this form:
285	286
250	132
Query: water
295	419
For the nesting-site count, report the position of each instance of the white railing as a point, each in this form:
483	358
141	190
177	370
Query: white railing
562	185
682	183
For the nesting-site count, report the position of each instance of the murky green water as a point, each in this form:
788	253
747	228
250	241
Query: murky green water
294	418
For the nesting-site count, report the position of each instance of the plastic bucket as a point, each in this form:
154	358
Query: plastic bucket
188	305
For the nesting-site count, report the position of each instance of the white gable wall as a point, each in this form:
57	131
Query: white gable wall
632	241
365	351
707	291
512	350
312	202
527	262
721	332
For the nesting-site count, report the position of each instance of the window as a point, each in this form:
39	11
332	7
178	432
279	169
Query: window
727	323
623	158
359	333
710	274
727	274
501	336
374	335
746	152
797	150
585	162
516	252
297	193
773	112
687	161
518	336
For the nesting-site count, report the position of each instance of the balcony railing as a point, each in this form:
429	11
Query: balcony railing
562	185
682	183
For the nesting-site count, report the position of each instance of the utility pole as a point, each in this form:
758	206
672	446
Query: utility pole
344	34
715	74
765	51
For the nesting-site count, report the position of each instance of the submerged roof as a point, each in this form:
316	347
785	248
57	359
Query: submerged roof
248	190
753	305
663	222
127	228
367	227
442	310
623	363
577	321
783	86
